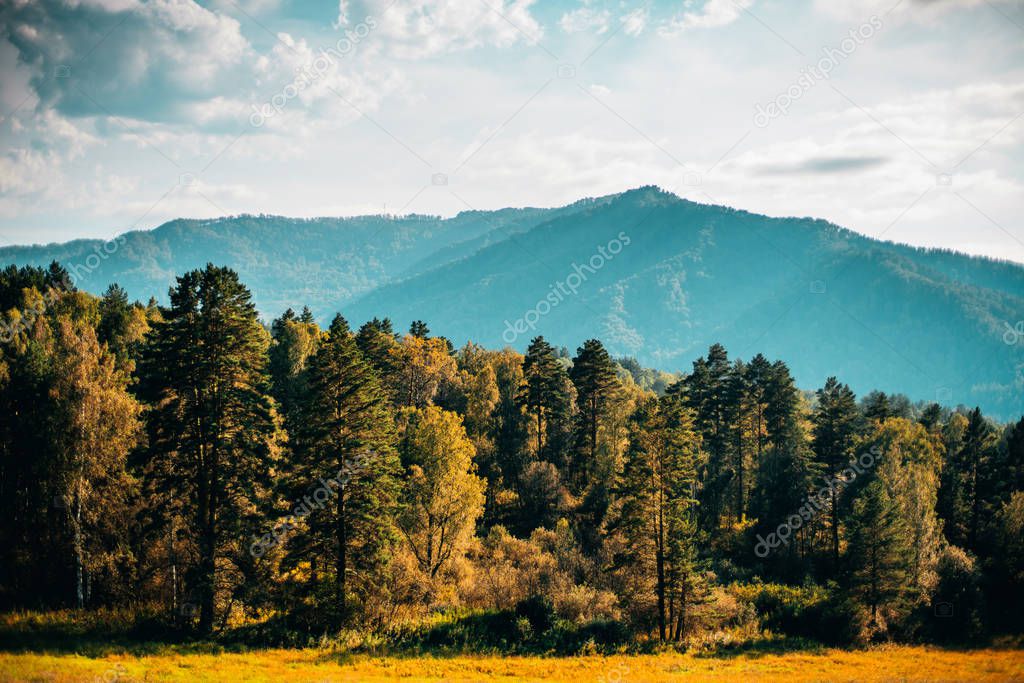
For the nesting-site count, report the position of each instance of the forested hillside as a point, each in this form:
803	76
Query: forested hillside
935	325
207	475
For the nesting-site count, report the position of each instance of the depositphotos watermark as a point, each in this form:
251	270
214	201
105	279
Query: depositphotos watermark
1014	333
814	74
815	503
563	288
314	500
309	74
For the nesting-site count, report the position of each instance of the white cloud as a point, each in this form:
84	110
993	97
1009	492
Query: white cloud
585	19
713	14
635	22
414	29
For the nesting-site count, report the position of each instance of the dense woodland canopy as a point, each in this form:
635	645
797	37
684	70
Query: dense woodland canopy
222	473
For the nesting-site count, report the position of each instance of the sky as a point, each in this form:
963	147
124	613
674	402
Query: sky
900	119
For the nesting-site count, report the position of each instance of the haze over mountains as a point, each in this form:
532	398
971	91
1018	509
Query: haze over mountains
652	275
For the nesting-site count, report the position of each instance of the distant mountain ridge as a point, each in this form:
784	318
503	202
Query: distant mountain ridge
931	323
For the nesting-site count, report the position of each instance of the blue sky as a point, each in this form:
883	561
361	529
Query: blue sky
897	119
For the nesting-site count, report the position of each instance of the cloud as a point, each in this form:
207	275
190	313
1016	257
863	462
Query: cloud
635	22
585	19
414	29
123	58
837	164
923	11
713	14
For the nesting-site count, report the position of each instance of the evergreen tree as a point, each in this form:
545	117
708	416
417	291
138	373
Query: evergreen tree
376	339
968	488
879	555
597	387
709	391
657	517
837	426
418	328
876	406
545	395
346	440
1012	456
213	427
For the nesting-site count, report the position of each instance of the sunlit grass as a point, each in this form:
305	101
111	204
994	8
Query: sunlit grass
877	664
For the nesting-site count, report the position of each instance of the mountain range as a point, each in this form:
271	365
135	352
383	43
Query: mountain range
652	275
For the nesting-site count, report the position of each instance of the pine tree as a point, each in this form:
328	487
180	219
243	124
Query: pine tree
347	441
837	425
786	467
709	390
597	386
876	406
545	395
1012	456
657	516
968	483
879	555
376	339
213	426
418	328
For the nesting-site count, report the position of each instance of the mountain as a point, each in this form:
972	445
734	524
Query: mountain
652	275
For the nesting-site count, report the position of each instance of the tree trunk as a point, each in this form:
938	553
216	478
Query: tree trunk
660	560
207	550
78	549
342	553
835	528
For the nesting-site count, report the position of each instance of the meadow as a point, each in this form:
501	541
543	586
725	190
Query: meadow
884	663
113	645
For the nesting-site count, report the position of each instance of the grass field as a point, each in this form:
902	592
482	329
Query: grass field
878	664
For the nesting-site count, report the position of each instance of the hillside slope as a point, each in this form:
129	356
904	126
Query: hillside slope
652	275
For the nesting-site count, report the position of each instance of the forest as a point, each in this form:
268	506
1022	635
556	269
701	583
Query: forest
216	476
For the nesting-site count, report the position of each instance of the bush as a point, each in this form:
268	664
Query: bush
813	612
538	611
954	614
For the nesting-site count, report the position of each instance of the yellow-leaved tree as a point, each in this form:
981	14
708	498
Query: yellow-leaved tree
443	497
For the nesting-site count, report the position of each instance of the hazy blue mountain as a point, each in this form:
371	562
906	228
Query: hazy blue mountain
286	261
826	300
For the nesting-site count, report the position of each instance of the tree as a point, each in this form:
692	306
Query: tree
545	395
376	339
709	391
597	387
657	517
879	554
94	426
421	365
213	426
122	326
347	433
837	425
443	497
294	342
418	328
786	468
908	459
968	482
1012	457
876	406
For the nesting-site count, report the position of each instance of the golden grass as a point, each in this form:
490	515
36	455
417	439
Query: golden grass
877	664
